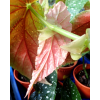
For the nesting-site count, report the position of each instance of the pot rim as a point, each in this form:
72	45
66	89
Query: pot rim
76	78
62	68
18	79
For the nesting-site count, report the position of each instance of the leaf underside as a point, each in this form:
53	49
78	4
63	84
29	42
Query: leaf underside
24	35
50	55
81	22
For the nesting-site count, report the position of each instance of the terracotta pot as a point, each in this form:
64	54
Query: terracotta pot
84	90
25	84
64	72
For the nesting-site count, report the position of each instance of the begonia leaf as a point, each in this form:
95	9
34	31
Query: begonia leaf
45	34
87	6
44	91
50	55
88	34
24	35
45	5
40	1
70	91
60	16
74	6
68	60
81	22
76	47
60	0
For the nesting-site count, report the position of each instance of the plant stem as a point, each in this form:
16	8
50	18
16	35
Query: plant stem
89	46
84	67
53	27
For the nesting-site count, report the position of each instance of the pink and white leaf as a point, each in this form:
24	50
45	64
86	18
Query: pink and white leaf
60	16
50	55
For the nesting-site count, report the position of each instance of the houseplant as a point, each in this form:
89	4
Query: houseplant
21	79
27	56
82	78
84	90
63	92
65	70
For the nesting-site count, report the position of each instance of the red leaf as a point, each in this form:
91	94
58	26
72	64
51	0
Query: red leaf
24	36
81	22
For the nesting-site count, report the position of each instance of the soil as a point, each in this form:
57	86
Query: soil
68	65
81	77
88	55
22	78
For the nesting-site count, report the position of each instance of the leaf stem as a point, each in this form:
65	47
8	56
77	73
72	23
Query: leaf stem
84	67
53	27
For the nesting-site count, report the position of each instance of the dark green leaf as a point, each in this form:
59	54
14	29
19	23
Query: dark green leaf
44	91
58	91
70	91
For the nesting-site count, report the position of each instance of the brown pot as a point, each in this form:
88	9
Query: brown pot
64	72
84	90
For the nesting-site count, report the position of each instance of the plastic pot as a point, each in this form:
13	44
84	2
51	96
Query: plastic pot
84	90
64	72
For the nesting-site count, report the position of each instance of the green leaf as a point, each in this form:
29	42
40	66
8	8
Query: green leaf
58	88
87	6
44	91
74	6
70	91
58	91
60	0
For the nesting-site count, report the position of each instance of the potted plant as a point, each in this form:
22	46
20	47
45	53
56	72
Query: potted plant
65	70
82	79
58	91
41	40
21	79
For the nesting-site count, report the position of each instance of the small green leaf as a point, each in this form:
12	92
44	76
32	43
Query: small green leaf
58	91
60	0
87	5
74	6
44	91
70	91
